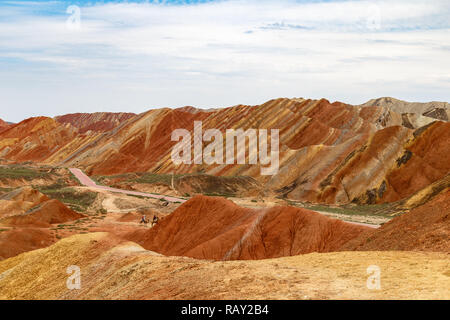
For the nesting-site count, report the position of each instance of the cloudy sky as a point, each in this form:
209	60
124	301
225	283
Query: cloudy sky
60	57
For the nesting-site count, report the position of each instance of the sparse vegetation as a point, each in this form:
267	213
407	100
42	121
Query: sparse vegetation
201	183
76	200
384	209
20	172
140	177
157	178
138	196
59	184
102	211
217	194
5	190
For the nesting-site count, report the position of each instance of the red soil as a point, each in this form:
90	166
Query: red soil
216	228
130	217
44	215
17	241
425	228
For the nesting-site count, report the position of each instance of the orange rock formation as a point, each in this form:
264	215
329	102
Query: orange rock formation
329	152
216	228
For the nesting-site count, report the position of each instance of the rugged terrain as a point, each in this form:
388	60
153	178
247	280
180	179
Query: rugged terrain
358	186
114	269
420	111
331	153
216	228
97	122
26	216
425	228
36	215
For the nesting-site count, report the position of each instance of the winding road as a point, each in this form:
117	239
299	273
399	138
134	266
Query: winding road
88	182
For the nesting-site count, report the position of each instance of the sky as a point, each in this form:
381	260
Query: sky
59	57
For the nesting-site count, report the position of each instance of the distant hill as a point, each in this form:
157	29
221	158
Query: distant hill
99	121
435	110
332	153
4	125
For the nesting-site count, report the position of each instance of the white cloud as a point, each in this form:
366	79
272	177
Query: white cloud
130	57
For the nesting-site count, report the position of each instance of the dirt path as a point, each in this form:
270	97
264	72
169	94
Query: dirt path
109	205
372	223
86	181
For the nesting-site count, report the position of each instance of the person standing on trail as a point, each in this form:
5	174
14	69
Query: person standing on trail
143	219
155	220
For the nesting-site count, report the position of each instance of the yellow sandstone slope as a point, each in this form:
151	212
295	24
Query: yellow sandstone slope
114	269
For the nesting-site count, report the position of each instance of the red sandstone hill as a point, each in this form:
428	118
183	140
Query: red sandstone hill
28	207
20	201
3	125
99	121
16	241
329	152
25	216
216	228
43	215
25	194
425	228
34	139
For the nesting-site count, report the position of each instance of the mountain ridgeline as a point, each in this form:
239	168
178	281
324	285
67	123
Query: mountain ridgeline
385	150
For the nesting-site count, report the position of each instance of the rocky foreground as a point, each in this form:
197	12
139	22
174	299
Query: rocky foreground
112	268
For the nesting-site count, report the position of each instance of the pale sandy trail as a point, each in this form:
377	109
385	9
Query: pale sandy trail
370	225
86	181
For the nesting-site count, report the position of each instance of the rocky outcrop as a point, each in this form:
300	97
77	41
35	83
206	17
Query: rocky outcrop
435	110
